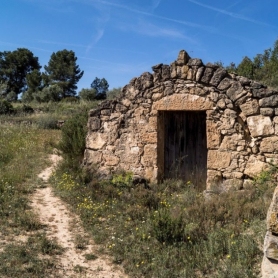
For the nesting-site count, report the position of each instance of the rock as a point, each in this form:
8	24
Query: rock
165	72
183	58
217	77
232	184
208	73
267	111
254	167
269	145
225	84
259	93
236	91
218	160
271	101
250	107
195	62
260	126
271	246
94	123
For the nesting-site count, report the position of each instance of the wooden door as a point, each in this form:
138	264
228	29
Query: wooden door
185	146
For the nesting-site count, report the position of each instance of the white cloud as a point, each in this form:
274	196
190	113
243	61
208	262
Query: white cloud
182	22
234	15
152	30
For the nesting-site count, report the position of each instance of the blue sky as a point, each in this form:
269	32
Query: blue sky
121	39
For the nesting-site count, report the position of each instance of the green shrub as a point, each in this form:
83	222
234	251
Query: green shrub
25	109
88	94
167	228
6	107
72	142
70	99
123	179
47	122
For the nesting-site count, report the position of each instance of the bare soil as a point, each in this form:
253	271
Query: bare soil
64	226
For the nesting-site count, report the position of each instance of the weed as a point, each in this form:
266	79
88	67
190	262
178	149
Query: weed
91	257
81	242
171	230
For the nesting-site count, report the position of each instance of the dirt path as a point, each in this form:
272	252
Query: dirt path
63	226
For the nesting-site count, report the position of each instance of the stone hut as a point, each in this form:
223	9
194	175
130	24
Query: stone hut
189	121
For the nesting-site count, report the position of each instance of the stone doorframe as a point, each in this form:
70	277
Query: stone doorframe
184	102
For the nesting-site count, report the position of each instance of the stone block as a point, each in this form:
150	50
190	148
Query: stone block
92	157
272	214
183	102
236	91
208	73
232	184
260	126
213	135
254	166
183	58
149	157
214	179
267	111
217	77
250	107
229	143
149	137
225	84
271	101
96	140
94	123
218	160
269	145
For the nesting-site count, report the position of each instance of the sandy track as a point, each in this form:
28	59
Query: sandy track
63	226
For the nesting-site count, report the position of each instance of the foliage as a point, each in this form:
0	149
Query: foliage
171	229
47	121
25	250
63	71
14	68
123	179
101	86
88	94
263	67
72	142
25	109
246	68
114	93
50	93
5	107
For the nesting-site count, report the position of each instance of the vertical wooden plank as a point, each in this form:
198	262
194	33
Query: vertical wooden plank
185	150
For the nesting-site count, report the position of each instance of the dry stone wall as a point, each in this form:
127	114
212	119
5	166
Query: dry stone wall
241	123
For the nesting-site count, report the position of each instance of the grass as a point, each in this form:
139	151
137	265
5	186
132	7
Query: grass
171	229
24	249
47	114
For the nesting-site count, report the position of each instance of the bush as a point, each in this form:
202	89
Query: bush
70	99
72	143
25	109
47	122
88	94
6	107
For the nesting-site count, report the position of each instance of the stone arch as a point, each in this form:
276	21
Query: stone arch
241	122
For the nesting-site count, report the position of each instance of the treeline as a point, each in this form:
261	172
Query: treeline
21	75
263	67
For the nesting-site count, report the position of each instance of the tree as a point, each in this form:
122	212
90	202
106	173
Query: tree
88	94
34	85
246	68
115	92
49	93
101	86
63	71
14	68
